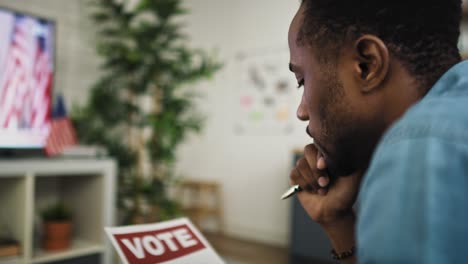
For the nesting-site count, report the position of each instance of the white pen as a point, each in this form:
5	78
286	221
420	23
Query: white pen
292	191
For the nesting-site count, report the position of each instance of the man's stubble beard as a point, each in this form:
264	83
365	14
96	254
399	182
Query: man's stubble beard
340	128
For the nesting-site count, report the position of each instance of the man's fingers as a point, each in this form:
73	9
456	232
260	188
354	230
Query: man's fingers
322	191
316	156
317	162
323	181
307	174
321	165
296	178
310	171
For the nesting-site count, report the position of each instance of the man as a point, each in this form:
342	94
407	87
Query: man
386	100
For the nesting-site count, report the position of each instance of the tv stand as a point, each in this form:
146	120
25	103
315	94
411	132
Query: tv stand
21	153
87	186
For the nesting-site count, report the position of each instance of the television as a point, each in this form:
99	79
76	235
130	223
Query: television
27	50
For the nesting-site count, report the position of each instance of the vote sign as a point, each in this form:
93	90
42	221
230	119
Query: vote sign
173	242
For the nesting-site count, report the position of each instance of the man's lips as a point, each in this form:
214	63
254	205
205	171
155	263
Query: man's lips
308	132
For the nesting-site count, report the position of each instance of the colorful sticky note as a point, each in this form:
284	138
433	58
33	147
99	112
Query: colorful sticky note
256	116
246	101
282	114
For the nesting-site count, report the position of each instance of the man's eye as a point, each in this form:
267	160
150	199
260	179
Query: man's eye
300	83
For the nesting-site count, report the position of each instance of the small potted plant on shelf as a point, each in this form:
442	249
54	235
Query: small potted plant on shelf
57	227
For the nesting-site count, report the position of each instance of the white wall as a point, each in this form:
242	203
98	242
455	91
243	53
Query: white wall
253	170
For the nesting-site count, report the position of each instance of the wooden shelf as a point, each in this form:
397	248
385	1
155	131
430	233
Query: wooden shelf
465	9
78	248
464	56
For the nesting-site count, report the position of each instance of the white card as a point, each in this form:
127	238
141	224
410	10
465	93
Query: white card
172	242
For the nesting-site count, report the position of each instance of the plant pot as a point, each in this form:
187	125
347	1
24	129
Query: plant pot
57	235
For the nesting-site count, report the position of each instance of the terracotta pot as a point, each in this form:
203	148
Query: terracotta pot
57	235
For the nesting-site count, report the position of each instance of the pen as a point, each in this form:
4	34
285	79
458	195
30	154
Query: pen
292	191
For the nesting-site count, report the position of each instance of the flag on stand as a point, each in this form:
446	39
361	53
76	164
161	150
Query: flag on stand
62	134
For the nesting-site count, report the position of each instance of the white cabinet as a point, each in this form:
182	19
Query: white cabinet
86	186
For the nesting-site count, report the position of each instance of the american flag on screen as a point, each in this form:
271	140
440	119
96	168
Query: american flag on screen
26	74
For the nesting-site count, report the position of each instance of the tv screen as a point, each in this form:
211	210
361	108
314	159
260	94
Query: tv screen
26	79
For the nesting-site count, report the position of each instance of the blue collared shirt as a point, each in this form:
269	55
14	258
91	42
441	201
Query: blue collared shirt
413	203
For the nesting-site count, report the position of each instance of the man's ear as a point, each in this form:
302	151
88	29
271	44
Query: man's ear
372	62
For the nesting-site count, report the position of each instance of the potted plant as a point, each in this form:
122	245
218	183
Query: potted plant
57	227
146	58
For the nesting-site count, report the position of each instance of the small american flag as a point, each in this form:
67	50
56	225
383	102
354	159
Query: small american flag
62	134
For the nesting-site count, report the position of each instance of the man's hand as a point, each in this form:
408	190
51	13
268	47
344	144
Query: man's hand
325	203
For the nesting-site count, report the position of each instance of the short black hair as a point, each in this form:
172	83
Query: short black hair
422	35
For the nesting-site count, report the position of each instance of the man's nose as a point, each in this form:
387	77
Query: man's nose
302	110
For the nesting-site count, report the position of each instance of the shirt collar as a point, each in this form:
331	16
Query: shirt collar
454	80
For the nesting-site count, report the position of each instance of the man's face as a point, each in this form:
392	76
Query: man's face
330	106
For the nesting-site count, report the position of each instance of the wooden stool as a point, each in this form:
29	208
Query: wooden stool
201	201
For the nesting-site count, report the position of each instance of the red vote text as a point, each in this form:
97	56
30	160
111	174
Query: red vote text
157	246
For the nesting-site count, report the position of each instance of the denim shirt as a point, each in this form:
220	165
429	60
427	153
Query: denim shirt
413	203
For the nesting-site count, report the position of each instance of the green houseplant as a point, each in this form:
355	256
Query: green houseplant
57	223
141	109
